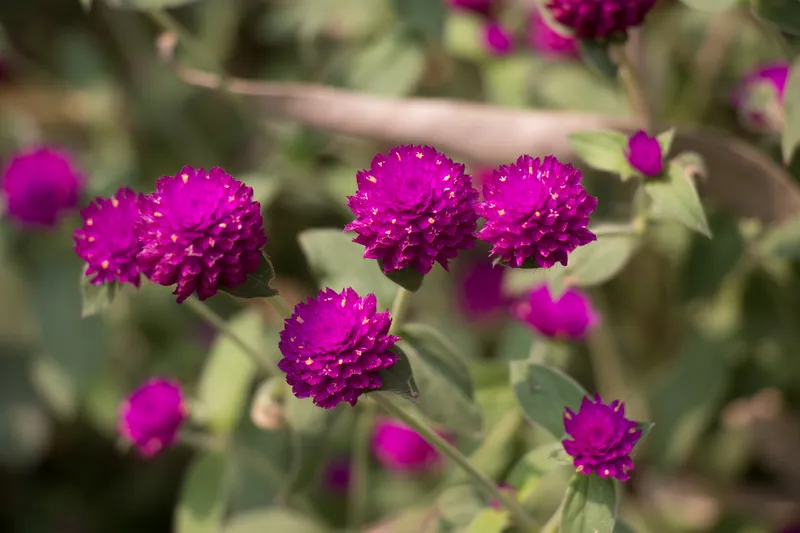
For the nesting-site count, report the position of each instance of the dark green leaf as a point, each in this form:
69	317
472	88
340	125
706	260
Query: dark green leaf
148	4
590	505
276	519
228	373
399	378
489	521
257	284
422	15
675	198
96	298
710	261
790	137
603	150
595	55
709	5
785	14
544	392
201	505
408	278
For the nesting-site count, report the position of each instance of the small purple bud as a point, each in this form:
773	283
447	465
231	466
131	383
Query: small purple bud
401	449
570	317
152	415
336	476
644	154
496	39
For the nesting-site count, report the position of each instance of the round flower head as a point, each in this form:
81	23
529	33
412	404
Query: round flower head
200	230
548	41
602	438
151	417
414	207
480	290
401	449
570	317
759	98
480	7
600	19
644	154
39	186
108	241
334	347
535	210
496	39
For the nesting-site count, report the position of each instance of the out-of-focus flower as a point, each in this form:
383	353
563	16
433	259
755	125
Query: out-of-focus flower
414	207
334	346
570	317
548	41
336	476
40	185
480	290
535	209
644	154
481	7
602	438
401	449
202	231
759	98
108	241
151	417
496	39
600	19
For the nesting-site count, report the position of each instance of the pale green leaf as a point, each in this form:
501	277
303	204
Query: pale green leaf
710	6
201	505
675	198
489	521
790	137
590	505
390	66
277	519
665	141
602	150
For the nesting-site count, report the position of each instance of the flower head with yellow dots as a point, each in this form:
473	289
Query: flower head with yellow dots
200	231
152	415
602	438
334	347
108	240
536	211
414	207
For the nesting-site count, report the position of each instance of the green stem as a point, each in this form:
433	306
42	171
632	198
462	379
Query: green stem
359	468
402	300
633	87
208	314
481	480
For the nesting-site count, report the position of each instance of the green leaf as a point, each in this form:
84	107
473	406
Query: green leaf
337	262
665	141
148	4
257	284
506	80
408	278
399	378
785	14
276	519
675	198
790	137
602	150
445	395
201	506
595	54
96	298
435	341
391	66
544	392
590	505
228	373
423	15
489	521
537	463
711	6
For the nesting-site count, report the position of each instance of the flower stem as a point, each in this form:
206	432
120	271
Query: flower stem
633	87
208	314
359	468
400	305
481	480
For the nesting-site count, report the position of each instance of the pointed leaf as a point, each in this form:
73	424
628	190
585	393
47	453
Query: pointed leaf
489	521
675	198
590	505
595	54
277	519
665	141
201	506
399	378
602	150
790	137
544	392
257	284
96	298
408	278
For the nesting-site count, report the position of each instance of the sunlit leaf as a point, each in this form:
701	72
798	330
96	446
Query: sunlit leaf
273	519
675	198
602	150
590	505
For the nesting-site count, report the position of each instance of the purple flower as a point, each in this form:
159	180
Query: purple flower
334	347
480	290
535	210
200	230
600	19
570	317
481	7
151	417
336	476
108	241
414	207
644	154
759	98
602	438
40	185
548	41
401	449
496	39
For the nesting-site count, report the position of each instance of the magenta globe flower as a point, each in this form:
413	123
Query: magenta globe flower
401	449
202	231
334	346
496	39
39	186
548	41
570	317
151	417
107	241
759	98
480	290
644	154
600	19
536	211
601	438
480	7
414	207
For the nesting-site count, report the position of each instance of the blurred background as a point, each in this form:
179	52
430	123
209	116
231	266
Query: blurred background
706	330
